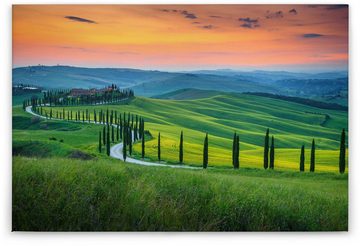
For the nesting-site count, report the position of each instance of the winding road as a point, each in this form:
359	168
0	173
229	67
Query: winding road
116	150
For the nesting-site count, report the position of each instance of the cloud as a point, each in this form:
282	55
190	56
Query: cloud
188	15
215	16
207	27
293	12
185	13
79	19
249	23
336	6
274	15
312	35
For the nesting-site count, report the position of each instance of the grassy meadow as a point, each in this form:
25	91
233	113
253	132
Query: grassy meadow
62	183
290	123
55	194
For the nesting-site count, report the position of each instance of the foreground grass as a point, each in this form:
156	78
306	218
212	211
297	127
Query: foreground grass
105	195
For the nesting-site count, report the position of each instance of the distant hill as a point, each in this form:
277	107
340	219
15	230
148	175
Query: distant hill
329	87
188	93
191	94
200	81
70	77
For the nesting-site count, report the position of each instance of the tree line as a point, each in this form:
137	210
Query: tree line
269	152
127	129
75	97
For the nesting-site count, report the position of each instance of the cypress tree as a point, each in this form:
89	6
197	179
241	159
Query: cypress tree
205	152
312	157
159	150
266	149
124	148
104	136
112	134
117	133
121	128
108	141
302	159
234	151
342	152
143	148
100	141
237	152
107	116
272	153
130	140
181	150
136	127
95	116
142	127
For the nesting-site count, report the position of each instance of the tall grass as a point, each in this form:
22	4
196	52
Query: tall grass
105	195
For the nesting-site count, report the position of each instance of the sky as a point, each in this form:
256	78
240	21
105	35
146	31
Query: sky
183	37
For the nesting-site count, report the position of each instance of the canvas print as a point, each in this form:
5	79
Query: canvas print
180	117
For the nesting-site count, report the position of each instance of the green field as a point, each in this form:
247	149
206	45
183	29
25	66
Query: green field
61	182
290	123
105	195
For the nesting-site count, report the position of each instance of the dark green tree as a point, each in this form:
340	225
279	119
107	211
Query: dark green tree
117	132
181	150
302	159
342	155
104	135
108	140
100	141
121	128
206	152
107	116
112	134
234	150
312	157
130	140
143	148
124	148
159	147
272	153
237	152
266	149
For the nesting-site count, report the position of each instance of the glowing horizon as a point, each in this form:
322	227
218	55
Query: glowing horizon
182	37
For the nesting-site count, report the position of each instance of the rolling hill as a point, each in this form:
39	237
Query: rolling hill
328	87
292	125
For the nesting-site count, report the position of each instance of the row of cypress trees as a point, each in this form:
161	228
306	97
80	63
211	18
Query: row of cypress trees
269	152
269	163
342	155
107	95
108	117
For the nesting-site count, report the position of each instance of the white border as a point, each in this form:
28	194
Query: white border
10	238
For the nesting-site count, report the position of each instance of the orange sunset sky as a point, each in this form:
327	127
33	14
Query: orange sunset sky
182	37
